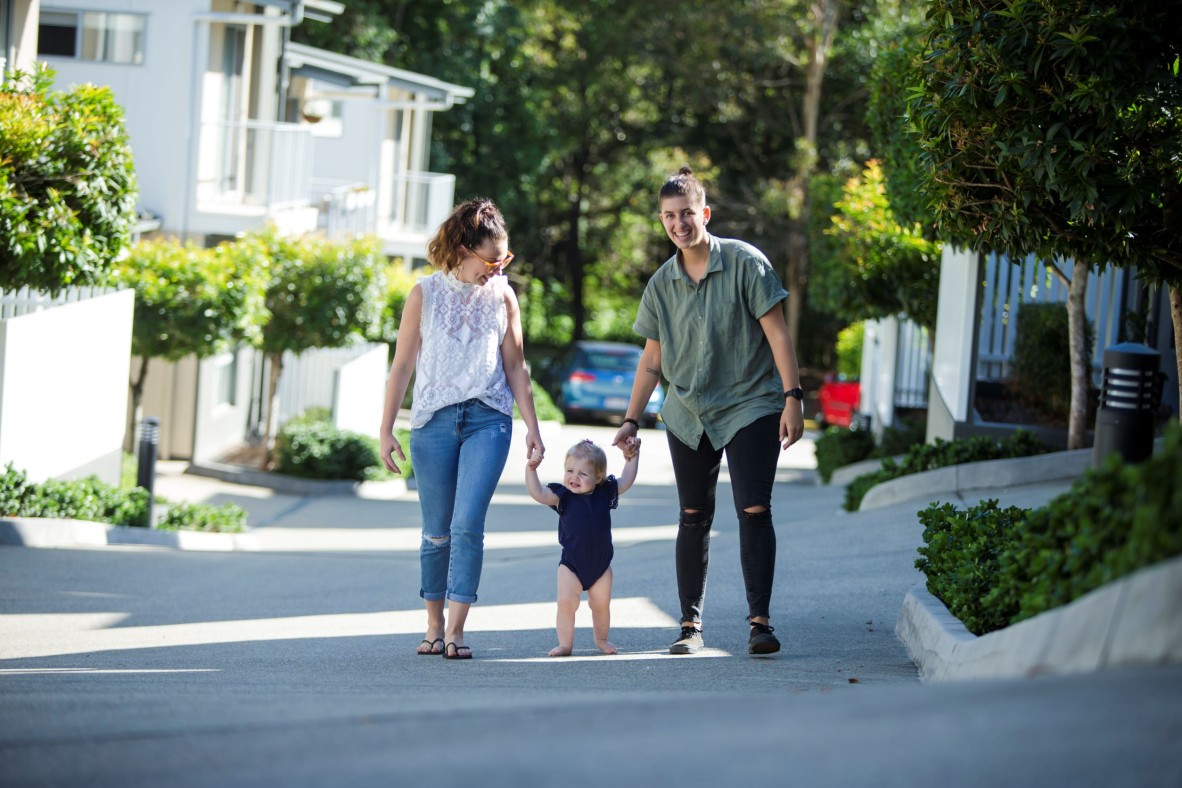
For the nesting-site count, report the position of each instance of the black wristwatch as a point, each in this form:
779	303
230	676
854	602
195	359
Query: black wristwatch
797	392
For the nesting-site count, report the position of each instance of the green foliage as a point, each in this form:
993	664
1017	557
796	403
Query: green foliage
942	454
543	405
1052	128
93	500
225	519
544	317
882	268
321	293
1041	371
67	183
993	567
398	283
849	350
318	450
190	300
960	558
837	447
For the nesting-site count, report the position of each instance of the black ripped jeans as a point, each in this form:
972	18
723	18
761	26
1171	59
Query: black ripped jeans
751	458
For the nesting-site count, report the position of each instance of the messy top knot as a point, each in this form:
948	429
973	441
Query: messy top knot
684	184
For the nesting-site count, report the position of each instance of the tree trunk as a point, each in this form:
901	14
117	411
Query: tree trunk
574	262
137	403
1080	364
276	361
1176	314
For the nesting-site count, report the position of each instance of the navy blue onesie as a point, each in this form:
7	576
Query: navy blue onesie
585	529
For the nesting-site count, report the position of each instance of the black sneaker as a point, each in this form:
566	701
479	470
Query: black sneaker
689	641
762	641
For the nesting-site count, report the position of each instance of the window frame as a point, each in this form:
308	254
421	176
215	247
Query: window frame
80	30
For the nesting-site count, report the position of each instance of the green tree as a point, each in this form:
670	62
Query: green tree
67	183
882	267
321	294
190	301
1054	128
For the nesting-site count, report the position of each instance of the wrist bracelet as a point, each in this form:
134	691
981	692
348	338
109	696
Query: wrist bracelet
633	422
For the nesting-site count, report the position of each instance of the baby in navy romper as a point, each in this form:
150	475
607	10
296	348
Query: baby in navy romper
584	502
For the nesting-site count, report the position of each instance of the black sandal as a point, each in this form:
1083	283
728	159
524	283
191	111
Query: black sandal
460	652
431	652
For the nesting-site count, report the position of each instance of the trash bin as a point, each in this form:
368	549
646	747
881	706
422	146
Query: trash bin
1130	393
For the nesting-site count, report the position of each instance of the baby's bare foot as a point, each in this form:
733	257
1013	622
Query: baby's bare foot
560	651
605	646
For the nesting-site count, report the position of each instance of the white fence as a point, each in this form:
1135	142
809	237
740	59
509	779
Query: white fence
64	363
1008	285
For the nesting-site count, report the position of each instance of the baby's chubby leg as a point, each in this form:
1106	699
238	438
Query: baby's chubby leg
570	591
599	597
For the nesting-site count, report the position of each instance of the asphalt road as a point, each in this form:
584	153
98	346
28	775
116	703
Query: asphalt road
295	666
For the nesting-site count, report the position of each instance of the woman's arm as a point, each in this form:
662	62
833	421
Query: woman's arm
406	353
648	375
517	374
776	331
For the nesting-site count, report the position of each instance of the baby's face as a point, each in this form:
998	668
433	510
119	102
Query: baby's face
579	476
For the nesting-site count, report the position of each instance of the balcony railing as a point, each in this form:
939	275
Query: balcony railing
421	201
255	163
345	208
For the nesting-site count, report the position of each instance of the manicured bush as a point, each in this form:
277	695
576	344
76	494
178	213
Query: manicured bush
94	500
941	454
543	405
1041	372
318	450
960	557
225	519
837	447
994	567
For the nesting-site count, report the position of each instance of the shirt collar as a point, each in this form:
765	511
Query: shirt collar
713	263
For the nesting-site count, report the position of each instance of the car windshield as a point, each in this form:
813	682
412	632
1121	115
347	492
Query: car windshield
609	362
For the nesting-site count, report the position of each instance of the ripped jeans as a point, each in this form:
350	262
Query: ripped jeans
458	458
751	459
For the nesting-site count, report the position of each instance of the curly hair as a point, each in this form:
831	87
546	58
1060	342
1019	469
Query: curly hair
470	224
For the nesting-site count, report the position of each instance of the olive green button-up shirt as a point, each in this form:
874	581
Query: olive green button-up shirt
721	371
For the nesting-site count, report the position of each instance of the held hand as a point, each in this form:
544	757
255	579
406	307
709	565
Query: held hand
390	446
534	447
631	448
535	459
791	423
626	432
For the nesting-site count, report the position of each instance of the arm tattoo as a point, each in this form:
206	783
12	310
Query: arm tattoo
652	371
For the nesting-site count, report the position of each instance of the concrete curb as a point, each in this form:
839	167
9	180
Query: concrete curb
1039	468
293	485
52	532
1132	621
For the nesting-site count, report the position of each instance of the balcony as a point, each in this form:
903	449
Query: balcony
419	203
250	173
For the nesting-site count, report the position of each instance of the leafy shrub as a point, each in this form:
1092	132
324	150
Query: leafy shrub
942	454
543	405
899	438
318	450
94	500
1041	372
225	519
837	447
994	567
961	558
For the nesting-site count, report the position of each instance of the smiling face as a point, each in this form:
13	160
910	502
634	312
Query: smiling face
474	268
580	475
684	220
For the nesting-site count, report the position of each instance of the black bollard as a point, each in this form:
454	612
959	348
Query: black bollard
1130	392
146	470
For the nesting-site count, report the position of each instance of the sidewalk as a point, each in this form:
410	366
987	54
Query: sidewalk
1129	622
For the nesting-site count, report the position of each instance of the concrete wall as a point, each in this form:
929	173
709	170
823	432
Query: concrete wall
952	357
63	388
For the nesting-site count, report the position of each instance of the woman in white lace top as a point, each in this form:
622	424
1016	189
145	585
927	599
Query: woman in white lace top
461	328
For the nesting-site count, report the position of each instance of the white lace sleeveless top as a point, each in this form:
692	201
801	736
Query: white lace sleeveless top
462	328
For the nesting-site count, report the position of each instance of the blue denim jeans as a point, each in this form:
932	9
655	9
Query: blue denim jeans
458	458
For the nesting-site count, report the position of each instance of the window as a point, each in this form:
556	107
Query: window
92	35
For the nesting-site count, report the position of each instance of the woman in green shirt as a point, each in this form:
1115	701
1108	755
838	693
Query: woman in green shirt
714	327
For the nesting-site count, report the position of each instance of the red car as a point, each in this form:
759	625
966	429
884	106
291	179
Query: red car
839	401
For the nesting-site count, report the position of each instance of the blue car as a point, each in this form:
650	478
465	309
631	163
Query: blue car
597	383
